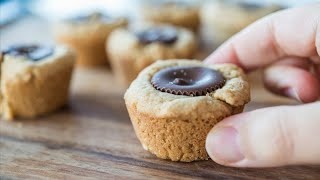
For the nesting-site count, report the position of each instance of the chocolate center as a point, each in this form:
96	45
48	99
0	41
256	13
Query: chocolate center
180	82
33	52
166	35
188	80
244	4
97	16
249	6
168	3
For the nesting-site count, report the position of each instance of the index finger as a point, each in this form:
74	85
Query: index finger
292	32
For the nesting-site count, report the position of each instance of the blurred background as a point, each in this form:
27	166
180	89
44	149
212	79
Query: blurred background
29	21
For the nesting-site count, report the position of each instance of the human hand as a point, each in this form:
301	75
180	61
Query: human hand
287	45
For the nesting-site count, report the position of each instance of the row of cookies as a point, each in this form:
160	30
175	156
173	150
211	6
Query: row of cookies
222	17
98	40
35	79
130	51
172	104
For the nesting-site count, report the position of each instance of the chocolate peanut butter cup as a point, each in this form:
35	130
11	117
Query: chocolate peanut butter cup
189	81
97	16
132	50
166	35
244	4
175	127
32	52
249	6
178	13
34	80
87	33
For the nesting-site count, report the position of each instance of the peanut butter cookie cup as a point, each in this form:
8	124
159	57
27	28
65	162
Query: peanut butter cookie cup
175	13
34	80
132	50
87	35
173	104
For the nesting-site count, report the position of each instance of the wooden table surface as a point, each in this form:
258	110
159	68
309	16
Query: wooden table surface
93	138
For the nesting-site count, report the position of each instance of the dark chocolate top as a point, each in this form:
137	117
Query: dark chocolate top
163	3
163	34
188	80
245	4
249	6
33	52
97	16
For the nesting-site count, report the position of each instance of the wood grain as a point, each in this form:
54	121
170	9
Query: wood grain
92	138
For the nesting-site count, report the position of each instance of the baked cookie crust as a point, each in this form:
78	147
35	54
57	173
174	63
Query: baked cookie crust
32	88
88	39
175	126
180	15
128	56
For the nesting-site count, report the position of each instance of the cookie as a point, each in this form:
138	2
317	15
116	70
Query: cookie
34	80
222	19
175	13
130	51
173	104
87	36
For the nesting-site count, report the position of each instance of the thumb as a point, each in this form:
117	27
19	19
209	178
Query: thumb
268	137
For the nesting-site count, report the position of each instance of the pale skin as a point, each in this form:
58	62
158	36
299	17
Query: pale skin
287	45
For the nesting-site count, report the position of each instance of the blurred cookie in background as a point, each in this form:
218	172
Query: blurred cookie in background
179	13
223	18
87	34
34	79
132	50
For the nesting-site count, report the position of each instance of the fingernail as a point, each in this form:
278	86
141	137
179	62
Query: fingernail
223	145
290	92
